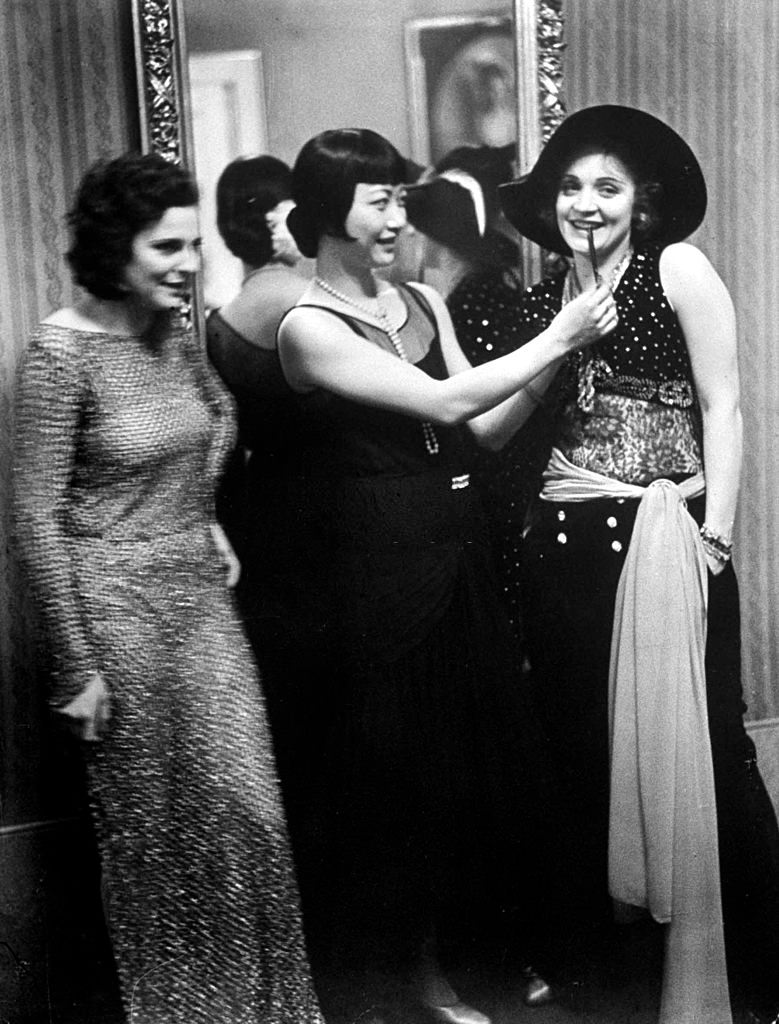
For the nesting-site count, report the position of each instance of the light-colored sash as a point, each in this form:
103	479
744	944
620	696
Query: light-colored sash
663	852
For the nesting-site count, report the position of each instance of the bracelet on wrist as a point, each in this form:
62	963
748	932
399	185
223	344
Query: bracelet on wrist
716	541
715	553
715	545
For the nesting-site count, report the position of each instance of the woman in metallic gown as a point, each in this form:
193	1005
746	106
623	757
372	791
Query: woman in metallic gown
123	430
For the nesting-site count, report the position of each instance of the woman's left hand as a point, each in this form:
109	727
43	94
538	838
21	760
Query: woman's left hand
229	557
716	565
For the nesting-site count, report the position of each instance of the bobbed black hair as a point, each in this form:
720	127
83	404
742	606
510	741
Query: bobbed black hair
326	172
248	189
115	201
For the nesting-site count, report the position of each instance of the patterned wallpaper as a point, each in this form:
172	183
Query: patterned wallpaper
67	97
709	68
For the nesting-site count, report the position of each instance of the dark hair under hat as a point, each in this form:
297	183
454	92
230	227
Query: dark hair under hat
649	147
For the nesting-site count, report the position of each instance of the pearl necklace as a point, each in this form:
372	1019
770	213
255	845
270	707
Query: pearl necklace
587	366
380	314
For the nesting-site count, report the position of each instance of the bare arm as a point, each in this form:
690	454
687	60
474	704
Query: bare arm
708	320
494	428
319	351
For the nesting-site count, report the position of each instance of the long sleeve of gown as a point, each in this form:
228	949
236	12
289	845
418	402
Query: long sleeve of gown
51	400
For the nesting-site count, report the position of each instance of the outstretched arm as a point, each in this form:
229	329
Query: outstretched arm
319	351
494	428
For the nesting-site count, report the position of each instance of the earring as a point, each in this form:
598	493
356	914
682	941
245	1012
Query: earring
641	219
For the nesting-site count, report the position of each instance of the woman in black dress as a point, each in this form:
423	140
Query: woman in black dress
432	761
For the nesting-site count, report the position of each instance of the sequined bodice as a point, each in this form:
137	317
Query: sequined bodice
120	442
638	419
136	429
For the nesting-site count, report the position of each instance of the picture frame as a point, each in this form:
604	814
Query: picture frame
461	83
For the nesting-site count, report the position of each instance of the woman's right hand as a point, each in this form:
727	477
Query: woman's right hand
588	317
88	714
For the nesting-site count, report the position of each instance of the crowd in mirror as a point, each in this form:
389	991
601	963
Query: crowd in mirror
397	623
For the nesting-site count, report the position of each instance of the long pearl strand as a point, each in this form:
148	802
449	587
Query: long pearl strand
431	441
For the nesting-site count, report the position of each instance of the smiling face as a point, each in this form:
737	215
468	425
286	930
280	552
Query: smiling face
596	191
376	218
165	256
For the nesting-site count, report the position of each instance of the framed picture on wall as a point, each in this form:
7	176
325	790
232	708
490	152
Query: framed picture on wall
461	81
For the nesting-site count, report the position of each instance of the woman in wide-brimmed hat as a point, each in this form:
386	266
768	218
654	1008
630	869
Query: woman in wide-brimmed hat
471	255
629	595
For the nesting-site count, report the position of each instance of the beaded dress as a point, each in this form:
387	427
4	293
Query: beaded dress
485	308
120	444
629	411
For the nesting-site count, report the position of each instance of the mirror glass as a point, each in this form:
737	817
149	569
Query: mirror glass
273	74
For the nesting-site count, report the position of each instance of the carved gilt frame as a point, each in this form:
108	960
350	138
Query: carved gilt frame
162	79
538	35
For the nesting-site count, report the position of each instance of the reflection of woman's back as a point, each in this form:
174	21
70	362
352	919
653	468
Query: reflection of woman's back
253	199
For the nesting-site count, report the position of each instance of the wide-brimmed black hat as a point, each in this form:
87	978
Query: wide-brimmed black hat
458	204
661	154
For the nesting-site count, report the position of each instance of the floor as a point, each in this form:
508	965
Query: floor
611	980
619	986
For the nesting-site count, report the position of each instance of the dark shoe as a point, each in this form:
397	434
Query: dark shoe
457	1013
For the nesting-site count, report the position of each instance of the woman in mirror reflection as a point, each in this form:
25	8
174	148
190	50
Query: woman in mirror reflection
471	256
431	780
253	198
627	566
123	429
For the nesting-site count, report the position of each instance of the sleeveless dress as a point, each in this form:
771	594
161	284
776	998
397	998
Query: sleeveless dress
630	412
251	508
121	441
434	774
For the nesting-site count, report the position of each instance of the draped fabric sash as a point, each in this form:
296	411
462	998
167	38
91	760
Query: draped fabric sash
663	852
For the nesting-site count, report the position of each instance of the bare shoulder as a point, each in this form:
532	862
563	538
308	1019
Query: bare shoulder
683	258
687	276
307	329
68	317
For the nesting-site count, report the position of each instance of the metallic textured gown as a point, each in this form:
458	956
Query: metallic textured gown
120	444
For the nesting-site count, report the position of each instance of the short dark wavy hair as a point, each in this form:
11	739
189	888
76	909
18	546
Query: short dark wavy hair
326	172
117	199
247	190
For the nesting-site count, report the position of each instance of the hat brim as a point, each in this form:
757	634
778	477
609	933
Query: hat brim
444	211
661	153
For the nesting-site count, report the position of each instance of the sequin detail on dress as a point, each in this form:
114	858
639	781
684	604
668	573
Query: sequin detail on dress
121	441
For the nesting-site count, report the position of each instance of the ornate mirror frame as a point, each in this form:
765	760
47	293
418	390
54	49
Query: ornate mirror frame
539	48
162	78
163	83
